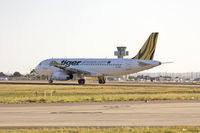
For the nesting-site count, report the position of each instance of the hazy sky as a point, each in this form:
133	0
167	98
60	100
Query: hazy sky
33	30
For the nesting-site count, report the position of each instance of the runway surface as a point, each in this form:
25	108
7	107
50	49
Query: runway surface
109	83
156	113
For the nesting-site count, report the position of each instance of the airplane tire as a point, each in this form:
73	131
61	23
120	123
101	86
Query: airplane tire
50	81
81	81
102	81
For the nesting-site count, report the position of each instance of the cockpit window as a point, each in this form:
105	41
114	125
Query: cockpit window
40	64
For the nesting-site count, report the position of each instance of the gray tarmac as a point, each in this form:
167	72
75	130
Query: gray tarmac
101	114
108	83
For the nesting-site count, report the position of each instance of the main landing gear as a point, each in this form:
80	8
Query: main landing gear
81	81
50	80
102	80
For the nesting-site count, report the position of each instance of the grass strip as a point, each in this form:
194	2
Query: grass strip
61	93
108	130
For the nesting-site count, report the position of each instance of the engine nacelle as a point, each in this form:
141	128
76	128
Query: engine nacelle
61	76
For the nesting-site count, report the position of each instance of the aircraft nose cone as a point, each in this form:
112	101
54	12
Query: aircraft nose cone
37	69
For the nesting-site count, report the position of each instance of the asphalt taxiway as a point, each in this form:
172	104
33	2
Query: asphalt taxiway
109	83
101	114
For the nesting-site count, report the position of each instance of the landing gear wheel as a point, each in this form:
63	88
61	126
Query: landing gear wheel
81	81
50	81
102	81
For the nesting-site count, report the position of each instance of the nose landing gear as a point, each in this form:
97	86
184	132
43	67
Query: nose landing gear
50	80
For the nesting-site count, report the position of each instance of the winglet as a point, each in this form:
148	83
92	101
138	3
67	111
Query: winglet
148	49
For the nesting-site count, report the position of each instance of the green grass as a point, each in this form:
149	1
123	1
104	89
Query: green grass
108	130
62	93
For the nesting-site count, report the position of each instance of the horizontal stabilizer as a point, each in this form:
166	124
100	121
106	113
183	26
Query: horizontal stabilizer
143	64
166	62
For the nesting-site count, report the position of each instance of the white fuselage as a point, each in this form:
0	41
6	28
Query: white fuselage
97	67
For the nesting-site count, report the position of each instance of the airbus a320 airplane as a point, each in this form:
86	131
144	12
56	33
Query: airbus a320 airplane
65	69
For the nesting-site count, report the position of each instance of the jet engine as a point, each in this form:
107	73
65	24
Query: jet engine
61	76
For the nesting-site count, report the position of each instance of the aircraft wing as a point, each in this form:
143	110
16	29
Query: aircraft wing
74	70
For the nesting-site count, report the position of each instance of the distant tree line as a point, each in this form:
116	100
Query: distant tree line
2	74
15	74
30	76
